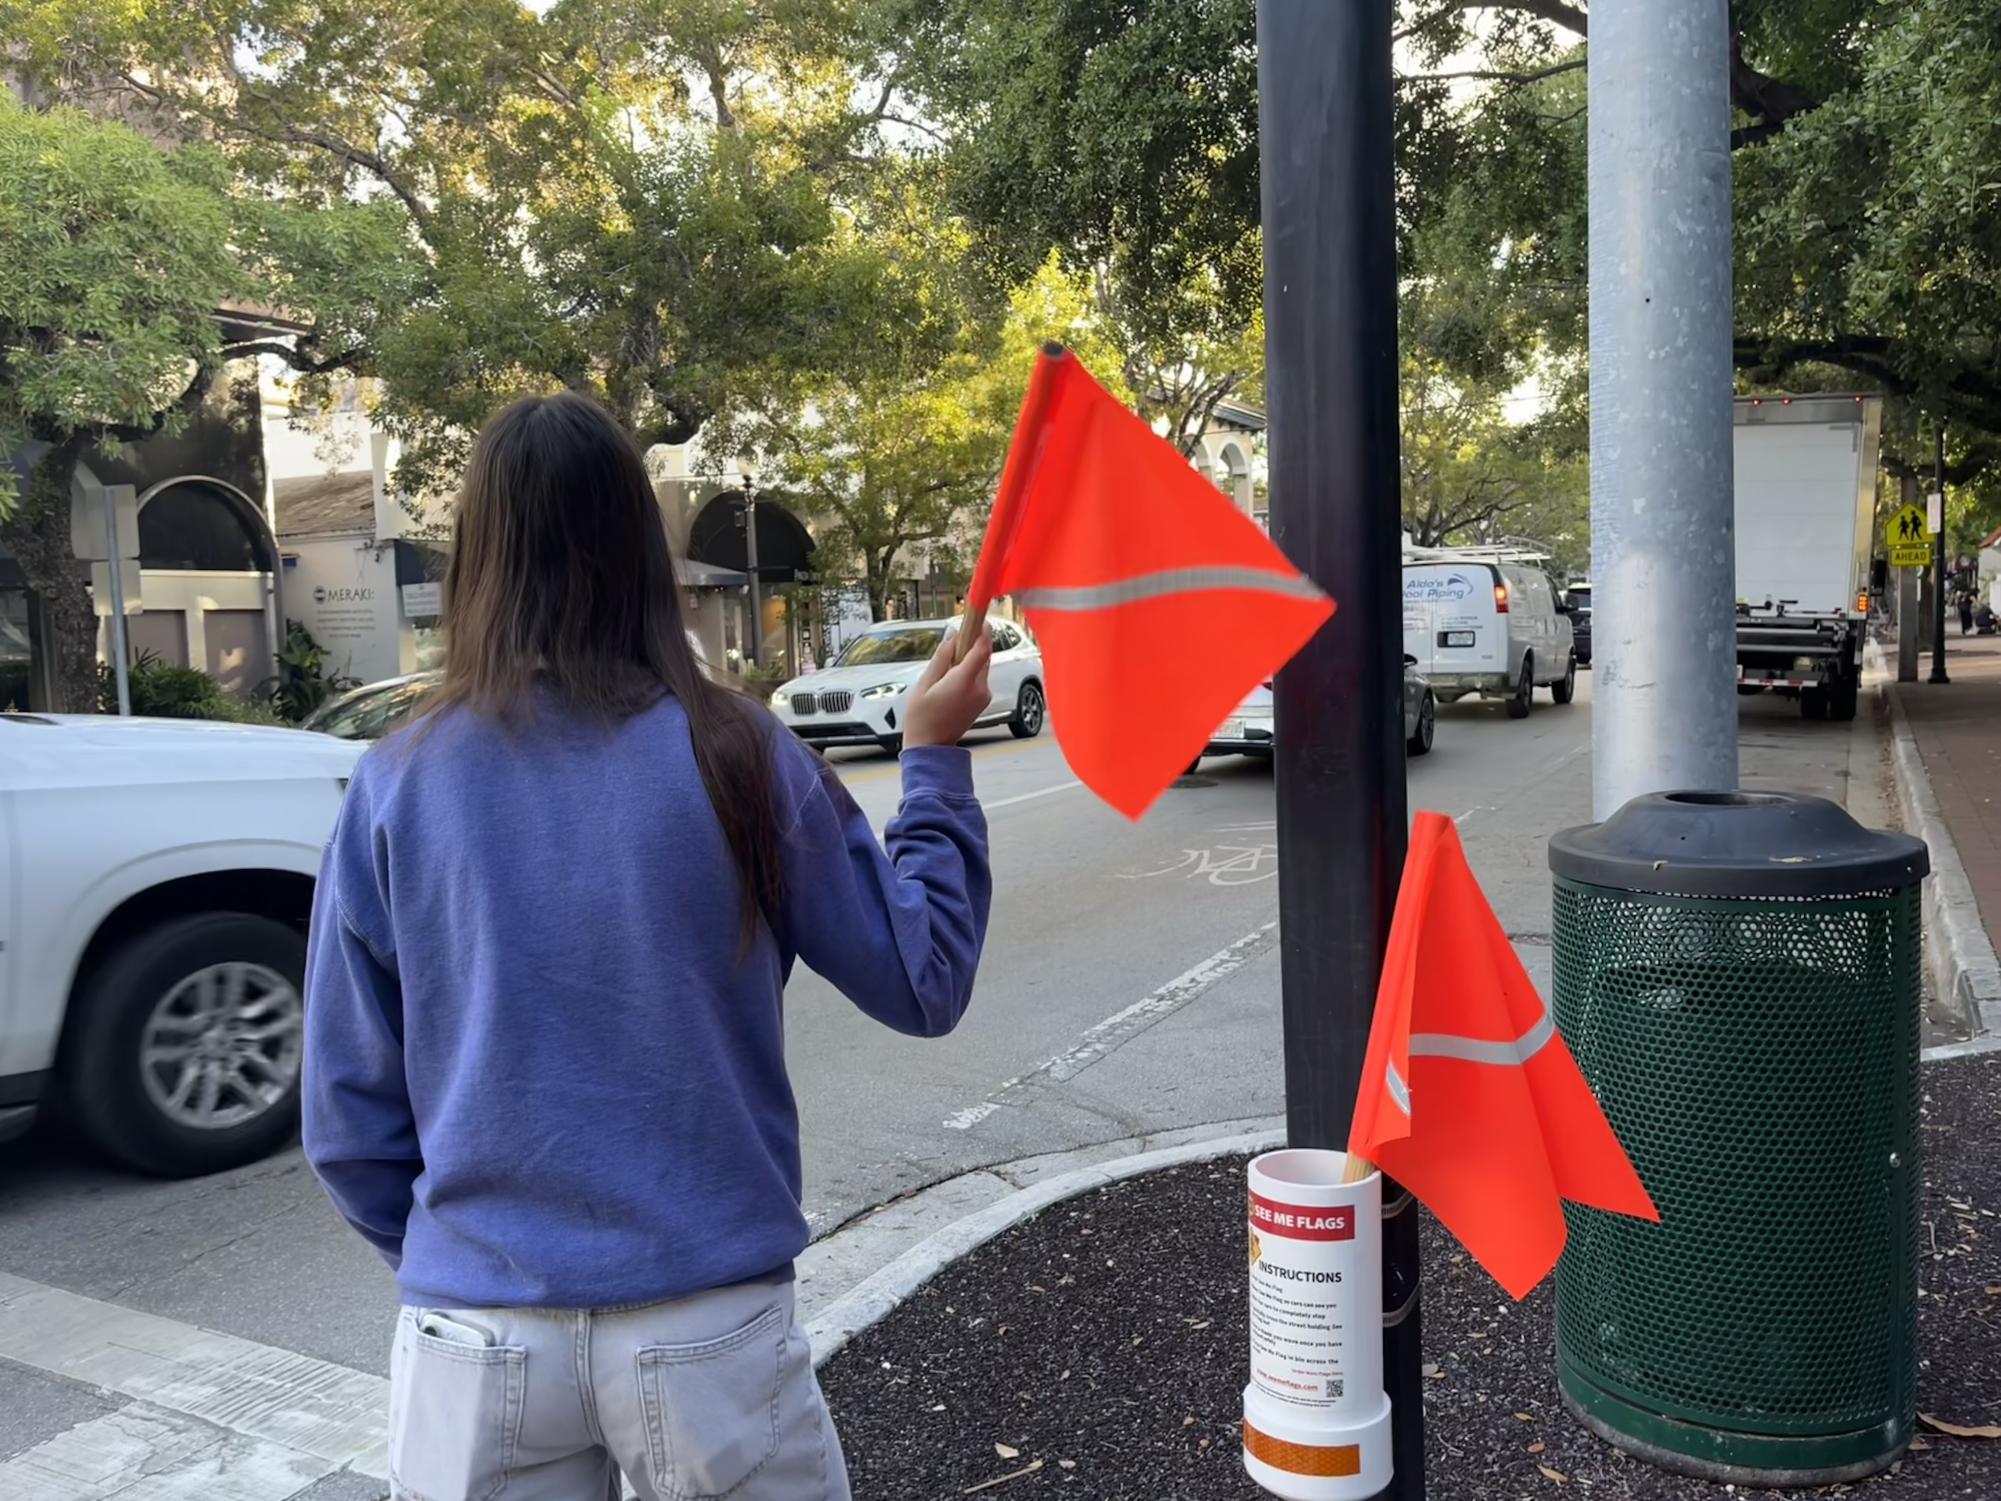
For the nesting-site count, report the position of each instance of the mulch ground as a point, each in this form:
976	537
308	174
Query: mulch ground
1098	1351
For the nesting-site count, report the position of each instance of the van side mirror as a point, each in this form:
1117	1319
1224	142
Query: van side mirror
1409	660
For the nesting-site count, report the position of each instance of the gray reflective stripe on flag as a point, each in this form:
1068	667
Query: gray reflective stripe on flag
1167	581
1470	1050
1399	1091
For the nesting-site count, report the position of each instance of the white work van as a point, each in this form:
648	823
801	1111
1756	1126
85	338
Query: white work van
1487	624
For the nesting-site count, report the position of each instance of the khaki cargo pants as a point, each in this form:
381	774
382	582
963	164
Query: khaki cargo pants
708	1396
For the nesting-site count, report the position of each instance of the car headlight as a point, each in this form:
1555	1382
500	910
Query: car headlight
885	690
781	700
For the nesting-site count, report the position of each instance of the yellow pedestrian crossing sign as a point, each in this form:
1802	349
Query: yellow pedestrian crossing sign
1908	538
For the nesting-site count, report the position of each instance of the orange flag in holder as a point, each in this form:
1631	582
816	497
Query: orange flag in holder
1469	1097
1158	603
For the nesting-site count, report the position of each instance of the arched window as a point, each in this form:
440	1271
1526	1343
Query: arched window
192	524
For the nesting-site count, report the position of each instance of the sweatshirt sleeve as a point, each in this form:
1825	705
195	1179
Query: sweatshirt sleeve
359	1133
899	933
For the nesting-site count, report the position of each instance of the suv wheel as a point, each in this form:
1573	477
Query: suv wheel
1523	698
185	1051
1028	712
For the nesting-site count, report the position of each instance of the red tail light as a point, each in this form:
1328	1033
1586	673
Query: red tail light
1500	599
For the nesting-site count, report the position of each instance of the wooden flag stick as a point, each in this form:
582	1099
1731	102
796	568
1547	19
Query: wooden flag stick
1358	1168
970	625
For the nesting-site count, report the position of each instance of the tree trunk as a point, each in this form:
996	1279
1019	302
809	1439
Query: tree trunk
38	534
875	576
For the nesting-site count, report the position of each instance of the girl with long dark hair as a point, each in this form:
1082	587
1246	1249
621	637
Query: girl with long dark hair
545	1073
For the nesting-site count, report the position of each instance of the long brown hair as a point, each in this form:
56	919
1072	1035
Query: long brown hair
561	579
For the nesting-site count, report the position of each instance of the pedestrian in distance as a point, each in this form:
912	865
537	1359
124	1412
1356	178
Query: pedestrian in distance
1965	612
545	1074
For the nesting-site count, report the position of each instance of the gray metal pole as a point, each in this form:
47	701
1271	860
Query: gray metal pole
1907	625
120	645
1663	558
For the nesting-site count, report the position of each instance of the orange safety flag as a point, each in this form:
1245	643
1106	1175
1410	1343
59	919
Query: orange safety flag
1469	1097
1159	605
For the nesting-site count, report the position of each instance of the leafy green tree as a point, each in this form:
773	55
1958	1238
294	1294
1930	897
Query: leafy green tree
629	197
120	256
908	454
1125	137
1474	474
1865	136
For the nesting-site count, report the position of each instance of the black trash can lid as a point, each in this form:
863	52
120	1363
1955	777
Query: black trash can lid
1737	844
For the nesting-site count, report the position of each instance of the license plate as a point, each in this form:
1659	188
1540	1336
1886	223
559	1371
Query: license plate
1455	638
1233	729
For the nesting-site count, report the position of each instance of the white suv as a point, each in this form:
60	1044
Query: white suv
858	700
155	881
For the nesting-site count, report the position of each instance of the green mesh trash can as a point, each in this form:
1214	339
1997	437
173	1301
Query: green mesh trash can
1737	976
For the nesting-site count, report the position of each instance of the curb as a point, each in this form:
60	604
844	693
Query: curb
1958	952
879	1294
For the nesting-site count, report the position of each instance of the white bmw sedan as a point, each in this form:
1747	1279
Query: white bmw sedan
857	700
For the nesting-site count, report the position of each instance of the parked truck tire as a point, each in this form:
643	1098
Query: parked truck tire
1564	689
1813	703
1844	696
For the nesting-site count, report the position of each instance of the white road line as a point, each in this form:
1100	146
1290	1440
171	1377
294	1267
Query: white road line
325	1413
1029	797
146	1453
1122	1026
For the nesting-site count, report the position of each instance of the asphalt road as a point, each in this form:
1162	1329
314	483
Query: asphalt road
1130	985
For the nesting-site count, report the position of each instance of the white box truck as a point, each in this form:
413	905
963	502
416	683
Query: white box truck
1805	514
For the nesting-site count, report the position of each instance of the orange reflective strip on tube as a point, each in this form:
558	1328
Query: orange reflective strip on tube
1323	1461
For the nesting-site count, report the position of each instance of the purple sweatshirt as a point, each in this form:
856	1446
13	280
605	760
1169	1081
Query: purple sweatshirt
538	1074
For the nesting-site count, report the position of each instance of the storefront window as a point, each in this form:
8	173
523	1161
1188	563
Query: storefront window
16	653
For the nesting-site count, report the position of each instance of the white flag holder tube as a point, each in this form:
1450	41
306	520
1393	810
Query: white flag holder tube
1316	1420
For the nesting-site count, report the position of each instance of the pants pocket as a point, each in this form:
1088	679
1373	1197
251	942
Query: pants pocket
711	1409
454	1415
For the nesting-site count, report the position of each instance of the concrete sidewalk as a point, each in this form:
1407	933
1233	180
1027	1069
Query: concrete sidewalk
1957	726
1953	733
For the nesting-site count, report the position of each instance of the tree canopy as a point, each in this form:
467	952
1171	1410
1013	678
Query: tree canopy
906	454
122	258
1867	214
629	197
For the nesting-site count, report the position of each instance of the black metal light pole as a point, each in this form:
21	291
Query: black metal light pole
1325	140
755	637
1938	674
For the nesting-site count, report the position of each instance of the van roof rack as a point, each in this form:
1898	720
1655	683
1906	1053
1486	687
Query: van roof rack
1506	550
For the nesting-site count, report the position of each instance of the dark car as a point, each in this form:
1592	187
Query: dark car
1578	598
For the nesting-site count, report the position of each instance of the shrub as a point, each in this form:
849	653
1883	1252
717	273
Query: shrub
302	683
160	690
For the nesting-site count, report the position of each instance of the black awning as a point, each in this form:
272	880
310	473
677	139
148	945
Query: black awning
784	546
